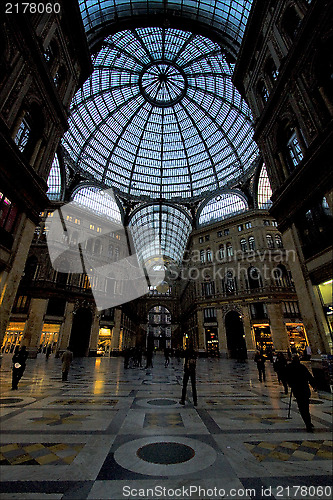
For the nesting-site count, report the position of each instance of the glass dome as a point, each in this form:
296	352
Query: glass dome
160	117
221	207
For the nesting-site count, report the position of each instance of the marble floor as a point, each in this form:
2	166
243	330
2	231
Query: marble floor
111	433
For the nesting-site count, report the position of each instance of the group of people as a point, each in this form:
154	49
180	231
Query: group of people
293	375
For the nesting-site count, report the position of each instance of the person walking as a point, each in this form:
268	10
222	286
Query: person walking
166	357
66	359
280	366
48	352
298	378
19	363
189	372
260	359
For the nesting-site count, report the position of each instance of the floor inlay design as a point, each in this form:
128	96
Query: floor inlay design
295	450
39	453
163	420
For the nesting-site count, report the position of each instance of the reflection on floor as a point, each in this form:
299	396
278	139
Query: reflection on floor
111	433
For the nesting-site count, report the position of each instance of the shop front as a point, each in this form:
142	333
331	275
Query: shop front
297	337
104	341
13	336
263	337
49	336
212	342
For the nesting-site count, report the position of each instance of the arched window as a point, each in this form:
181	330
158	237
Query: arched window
221	252
264	189
202	256
229	284
281	276
229	249
278	241
221	207
254	278
116	253
110	250
100	202
252	243
89	245
209	255
243	244
30	129
74	238
23	133
54	180
270	241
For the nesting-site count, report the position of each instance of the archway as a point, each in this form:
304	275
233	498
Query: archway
159	327
235	335
80	334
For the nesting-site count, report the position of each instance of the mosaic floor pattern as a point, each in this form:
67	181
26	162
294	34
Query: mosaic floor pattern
115	433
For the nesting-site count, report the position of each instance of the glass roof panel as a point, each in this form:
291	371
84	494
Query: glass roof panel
226	17
54	180
221	207
160	116
100	202
264	189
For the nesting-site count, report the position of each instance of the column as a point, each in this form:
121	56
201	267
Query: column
94	334
9	281
278	328
249	337
222	334
66	328
34	325
116	331
201	332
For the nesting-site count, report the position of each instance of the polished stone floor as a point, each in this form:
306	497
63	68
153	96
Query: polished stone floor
111	433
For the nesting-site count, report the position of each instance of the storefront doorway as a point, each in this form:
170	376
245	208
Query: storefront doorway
235	336
13	337
212	342
80	334
263	338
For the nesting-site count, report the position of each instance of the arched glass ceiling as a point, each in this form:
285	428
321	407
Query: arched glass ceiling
264	189
225	17
160	229
221	207
100	202
54	181
160	116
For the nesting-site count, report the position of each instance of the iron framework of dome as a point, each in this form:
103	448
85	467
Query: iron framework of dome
160	117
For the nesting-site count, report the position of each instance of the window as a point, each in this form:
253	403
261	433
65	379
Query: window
209	255
264	189
295	150
240	227
92	227
226	232
221	252
270	241
274	223
290	309
208	289
282	277
21	304
202	256
248	225
258	310
229	248
254	278
219	234
229	285
278	241
243	245
97	247
209	314
267	222
207	237
110	250
23	133
201	239
252	243
8	214
290	22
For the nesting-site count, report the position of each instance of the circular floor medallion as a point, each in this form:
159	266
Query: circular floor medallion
165	453
162	402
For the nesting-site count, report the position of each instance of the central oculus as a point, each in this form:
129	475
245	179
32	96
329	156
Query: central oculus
163	83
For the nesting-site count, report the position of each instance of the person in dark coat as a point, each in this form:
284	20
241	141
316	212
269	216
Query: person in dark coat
66	359
299	377
166	357
189	372
19	363
280	366
260	359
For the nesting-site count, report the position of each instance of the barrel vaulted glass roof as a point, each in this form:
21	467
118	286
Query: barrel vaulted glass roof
160	116
222	206
227	18
160	229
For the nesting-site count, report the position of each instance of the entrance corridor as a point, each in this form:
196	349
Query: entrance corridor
111	433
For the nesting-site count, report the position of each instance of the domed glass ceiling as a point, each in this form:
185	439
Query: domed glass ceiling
160	117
